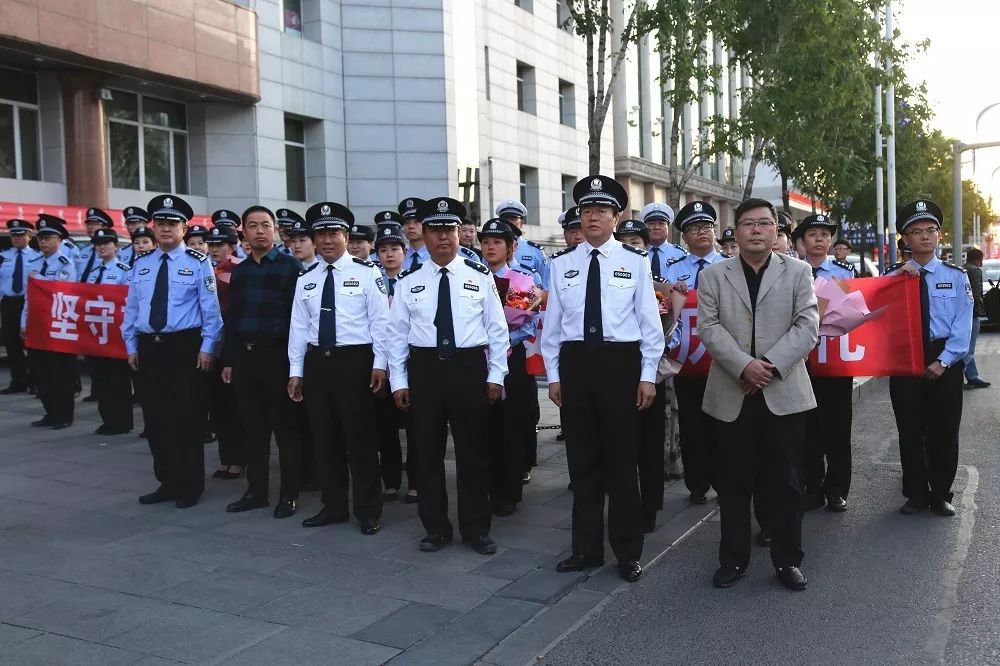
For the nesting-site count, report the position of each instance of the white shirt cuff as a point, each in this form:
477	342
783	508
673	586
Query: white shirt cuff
295	370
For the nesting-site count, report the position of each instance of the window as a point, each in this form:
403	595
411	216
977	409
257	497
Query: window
295	159
563	18
291	16
147	143
526	5
567	191
486	64
19	133
567	104
528	190
525	88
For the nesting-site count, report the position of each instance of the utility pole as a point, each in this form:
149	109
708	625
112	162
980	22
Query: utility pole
890	119
880	230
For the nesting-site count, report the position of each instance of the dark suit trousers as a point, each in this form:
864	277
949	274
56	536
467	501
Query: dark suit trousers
341	407
764	450
54	374
390	452
601	423
225	418
828	440
653	429
111	381
697	435
506	431
10	326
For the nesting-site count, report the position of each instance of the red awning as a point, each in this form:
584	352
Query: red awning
74	216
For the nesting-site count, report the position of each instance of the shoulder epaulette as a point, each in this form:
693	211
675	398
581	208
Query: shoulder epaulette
145	252
196	254
2	258
659	280
533	244
63	259
477	266
844	264
671	262
641	253
122	266
951	265
565	250
524	269
409	271
725	256
306	270
679	248
363	262
894	267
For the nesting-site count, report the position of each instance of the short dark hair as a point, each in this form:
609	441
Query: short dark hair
257	208
844	242
975	254
467	221
751	203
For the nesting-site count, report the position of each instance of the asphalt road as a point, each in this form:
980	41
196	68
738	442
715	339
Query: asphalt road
883	588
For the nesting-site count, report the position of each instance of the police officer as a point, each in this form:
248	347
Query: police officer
783	242
828	441
143	240
111	377
87	259
382	219
301	243
229	219
727	242
13	267
928	409
286	219
135	218
467	237
444	315
602	342
696	222
171	325
360	240
195	238
337	360
658	217
416	251
569	220
527	254
54	372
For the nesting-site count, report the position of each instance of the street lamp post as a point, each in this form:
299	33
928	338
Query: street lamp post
956	193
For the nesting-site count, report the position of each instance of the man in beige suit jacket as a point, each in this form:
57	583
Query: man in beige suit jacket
758	318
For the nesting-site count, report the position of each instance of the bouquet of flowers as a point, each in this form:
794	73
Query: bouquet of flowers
841	311
670	304
520	298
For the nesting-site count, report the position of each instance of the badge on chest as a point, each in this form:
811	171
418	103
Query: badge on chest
185	272
621	278
351	282
470	286
943	285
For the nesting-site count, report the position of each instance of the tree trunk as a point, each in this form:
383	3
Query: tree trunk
784	192
758	151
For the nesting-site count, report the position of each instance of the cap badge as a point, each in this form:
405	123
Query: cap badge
698	207
596	184
168	202
493	225
325	210
821	218
409	203
298	225
387	216
129	211
921	206
90	212
385	232
442	206
223	214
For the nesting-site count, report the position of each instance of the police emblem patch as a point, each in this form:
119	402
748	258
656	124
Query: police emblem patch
596	184
210	283
921	206
571	274
698	208
380	284
310	286
417	289
168	202
143	271
442	206
325	210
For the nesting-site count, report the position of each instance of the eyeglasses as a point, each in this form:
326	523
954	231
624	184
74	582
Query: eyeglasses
700	228
929	231
762	223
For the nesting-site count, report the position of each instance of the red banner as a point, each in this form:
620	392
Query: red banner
889	345
76	318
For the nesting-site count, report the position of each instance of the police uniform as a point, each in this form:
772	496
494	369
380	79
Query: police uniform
602	338
443	318
229	219
54	372
13	267
728	235
171	315
695	428
827	460
141	232
133	215
527	253
87	259
660	255
286	219
339	316
929	411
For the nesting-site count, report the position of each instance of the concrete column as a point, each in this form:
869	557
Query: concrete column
86	141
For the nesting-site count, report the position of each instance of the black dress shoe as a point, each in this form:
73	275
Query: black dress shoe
61	425
698	498
434	542
11	390
561	437
410	499
156	497
810	502
836	504
325	517
186	503
727	575
90	398
390	496
221	474
943	508
791	578
246	503
143	434
525	478
504	509
977	383
913	505
578	563
481	544
370	526
764	539
44	422
630	571
286	507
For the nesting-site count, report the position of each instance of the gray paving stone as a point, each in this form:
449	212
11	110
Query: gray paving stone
229	591
135	574
42	468
514	563
258	555
95	615
539	515
306	646
11	635
542	586
348	572
23	593
348	539
456	558
410	624
51	650
328	609
529	537
460	591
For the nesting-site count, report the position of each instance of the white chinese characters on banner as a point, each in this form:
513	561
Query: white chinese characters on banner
689	329
64	316
99	313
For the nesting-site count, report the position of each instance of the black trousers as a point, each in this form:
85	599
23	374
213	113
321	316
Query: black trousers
10	328
506	431
760	456
928	415
530	454
111	383
54	374
338	396
601	423
308	473
653	433
390	452
172	400
442	393
828	438
225	418
697	435
260	375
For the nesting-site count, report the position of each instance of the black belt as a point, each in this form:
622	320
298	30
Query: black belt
173	335
261	345
459	352
601	345
343	349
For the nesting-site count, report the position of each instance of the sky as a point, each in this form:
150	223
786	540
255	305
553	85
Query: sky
962	70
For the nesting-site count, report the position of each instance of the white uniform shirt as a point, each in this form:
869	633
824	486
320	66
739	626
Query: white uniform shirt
629	311
361	305
477	316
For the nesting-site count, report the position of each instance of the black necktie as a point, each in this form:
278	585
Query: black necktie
131	259
158	305
100	274
443	320
413	261
390	285
815	271
90	266
17	277
654	256
328	313
593	326
701	264
925	312
45	266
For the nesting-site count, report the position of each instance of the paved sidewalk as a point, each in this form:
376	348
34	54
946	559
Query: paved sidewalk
88	576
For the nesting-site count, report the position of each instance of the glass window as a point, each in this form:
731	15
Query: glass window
292	16
525	88
526	5
528	189
124	146
20	148
8	155
164	114
147	143
295	159
18	86
30	166
156	159
122	106
567	104
181	162
567	191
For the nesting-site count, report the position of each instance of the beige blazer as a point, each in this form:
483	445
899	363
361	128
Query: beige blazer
786	330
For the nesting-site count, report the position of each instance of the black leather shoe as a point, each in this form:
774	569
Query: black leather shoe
434	542
221	474
156	497
791	578
11	390
325	517
630	571
42	423
977	383
810	502
482	545
90	398
913	505
764	539
943	508
143	434
390	496
410	499
525	478
504	509
286	507
578	563
246	503
370	526
727	575
836	504
698	498
186	503
61	425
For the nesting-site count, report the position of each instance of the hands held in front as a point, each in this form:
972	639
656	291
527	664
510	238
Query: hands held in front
934	370
756	376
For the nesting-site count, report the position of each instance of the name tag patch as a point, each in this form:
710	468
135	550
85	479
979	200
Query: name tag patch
624	275
416	290
571	274
943	285
526	257
185	271
310	286
352	283
470	286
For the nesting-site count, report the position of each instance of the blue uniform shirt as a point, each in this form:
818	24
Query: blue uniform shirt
423	256
115	272
685	269
530	256
192	301
664	253
831	268
54	268
8	262
70	249
85	257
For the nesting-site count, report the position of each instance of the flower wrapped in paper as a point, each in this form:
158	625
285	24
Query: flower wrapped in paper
841	311
521	299
670	304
